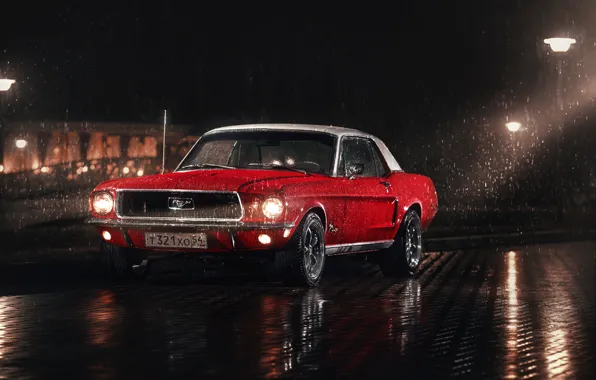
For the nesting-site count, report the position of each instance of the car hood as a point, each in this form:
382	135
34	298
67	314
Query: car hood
211	179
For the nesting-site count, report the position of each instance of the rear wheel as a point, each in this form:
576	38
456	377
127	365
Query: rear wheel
405	255
303	262
118	262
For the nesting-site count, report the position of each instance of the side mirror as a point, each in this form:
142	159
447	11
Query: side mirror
354	170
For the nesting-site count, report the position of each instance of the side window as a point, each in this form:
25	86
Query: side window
357	151
380	163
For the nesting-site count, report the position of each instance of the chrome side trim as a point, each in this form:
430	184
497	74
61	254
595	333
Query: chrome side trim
120	216
341	249
226	226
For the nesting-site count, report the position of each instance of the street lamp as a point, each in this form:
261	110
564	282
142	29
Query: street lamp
20	143
560	44
5	84
513	126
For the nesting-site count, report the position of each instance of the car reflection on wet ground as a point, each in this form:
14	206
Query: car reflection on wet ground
522	312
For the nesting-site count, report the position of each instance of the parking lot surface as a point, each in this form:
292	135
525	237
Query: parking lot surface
506	312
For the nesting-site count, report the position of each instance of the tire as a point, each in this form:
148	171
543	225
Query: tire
405	255
295	264
118	261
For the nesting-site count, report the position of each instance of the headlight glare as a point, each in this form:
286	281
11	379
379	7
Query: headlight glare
272	207
103	203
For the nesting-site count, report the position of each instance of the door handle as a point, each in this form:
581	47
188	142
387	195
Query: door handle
387	184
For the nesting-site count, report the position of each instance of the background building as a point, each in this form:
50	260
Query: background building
41	157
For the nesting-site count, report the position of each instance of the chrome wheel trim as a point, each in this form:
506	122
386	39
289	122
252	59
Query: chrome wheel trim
413	240
313	253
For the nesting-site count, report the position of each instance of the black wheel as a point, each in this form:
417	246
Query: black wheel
303	262
405	255
118	261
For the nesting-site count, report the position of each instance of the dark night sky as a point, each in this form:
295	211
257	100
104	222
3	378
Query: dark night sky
412	63
435	79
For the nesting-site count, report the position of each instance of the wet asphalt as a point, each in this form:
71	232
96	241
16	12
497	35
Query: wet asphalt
505	312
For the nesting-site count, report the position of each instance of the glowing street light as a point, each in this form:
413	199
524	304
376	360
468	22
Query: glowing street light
560	44
513	126
5	84
20	143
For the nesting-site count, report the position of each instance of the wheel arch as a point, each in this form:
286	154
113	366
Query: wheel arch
320	211
416	207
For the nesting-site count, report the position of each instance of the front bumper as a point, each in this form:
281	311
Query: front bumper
221	236
220	226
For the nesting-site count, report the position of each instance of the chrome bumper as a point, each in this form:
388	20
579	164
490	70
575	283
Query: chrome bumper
224	226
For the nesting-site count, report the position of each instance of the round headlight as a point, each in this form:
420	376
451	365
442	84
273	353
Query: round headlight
272	207
103	203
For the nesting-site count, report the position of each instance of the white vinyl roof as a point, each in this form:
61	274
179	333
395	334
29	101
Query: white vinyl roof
338	131
333	130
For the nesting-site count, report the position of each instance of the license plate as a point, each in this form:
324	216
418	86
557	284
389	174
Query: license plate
165	240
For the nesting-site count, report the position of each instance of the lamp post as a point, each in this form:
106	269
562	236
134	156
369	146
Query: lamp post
513	127
559	46
5	85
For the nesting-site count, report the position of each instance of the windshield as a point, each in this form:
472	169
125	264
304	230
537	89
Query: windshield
307	151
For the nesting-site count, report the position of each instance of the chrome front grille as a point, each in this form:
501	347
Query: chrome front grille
191	205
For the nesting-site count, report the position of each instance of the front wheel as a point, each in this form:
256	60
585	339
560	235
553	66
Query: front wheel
303	262
405	255
118	262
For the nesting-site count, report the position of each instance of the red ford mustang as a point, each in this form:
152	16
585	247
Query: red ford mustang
293	194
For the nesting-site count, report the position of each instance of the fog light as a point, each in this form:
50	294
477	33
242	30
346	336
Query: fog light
287	232
264	239
106	235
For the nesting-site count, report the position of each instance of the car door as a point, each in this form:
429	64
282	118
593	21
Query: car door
370	198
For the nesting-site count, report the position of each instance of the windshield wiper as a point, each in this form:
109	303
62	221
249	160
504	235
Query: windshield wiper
280	167
206	166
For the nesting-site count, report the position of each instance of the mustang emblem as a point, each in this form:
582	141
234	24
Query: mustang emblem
181	203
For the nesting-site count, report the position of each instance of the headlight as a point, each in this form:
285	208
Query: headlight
272	207
103	203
